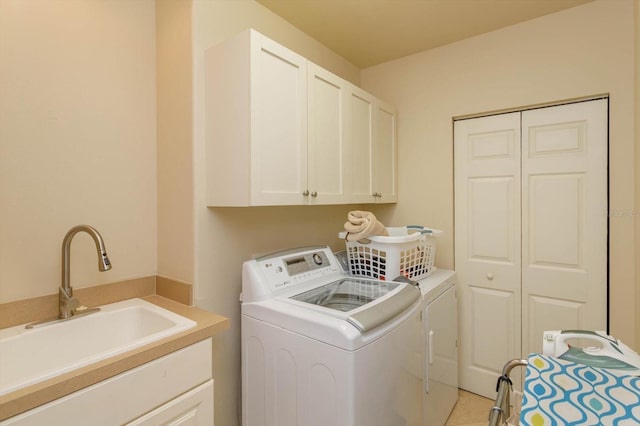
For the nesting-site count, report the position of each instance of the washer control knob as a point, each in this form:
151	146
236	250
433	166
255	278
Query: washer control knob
317	259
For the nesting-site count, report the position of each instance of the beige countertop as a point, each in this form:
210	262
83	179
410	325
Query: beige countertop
208	325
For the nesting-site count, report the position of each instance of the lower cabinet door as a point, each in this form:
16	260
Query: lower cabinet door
128	395
189	409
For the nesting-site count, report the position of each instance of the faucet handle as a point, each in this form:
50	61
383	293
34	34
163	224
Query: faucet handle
72	304
67	303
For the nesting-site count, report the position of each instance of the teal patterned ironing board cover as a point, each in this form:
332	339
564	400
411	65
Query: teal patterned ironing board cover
559	392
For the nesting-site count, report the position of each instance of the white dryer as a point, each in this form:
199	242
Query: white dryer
320	347
440	309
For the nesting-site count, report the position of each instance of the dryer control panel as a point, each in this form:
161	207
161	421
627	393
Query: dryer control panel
292	267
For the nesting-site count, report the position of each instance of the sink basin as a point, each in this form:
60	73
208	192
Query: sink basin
28	356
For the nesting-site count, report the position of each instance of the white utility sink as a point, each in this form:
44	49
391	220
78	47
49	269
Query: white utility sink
29	356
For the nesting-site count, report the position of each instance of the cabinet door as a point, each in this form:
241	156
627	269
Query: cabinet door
133	392
326	137
190	409
385	151
278	123
360	112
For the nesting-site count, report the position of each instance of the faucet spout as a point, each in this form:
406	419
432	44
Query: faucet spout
67	302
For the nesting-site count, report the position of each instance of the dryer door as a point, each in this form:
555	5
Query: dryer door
441	357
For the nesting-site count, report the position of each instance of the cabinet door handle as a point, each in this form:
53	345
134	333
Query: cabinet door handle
314	194
305	192
490	276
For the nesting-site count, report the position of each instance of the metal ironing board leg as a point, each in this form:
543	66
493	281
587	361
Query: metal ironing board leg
501	410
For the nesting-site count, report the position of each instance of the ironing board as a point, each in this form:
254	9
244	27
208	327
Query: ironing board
559	392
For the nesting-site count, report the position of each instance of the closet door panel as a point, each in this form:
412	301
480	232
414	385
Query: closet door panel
552	314
489	310
487	241
564	238
491	219
556	206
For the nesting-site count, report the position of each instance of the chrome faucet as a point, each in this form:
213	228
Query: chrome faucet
67	303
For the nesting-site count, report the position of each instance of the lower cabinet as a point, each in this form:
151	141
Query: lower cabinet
193	408
175	389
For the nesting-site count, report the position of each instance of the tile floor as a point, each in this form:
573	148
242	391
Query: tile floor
470	410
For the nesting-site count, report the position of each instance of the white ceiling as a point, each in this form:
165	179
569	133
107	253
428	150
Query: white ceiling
369	32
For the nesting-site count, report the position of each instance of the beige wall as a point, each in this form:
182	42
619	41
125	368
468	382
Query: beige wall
578	52
174	141
637	156
225	237
77	141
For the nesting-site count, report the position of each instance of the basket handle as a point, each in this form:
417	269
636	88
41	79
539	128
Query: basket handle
420	229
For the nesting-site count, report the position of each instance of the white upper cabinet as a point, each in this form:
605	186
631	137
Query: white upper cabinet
360	111
256	123
281	130
385	154
278	142
373	149
327	143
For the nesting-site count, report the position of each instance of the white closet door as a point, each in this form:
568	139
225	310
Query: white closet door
487	247
564	220
530	232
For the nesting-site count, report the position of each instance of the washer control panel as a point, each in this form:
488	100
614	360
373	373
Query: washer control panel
292	267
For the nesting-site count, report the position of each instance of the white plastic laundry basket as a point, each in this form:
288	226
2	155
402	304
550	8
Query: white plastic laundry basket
409	251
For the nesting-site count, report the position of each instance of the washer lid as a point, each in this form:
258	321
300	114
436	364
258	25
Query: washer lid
380	313
349	294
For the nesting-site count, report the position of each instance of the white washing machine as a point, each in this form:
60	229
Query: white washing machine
320	347
440	311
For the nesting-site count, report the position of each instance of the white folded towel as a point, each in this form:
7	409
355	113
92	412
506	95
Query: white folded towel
362	224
